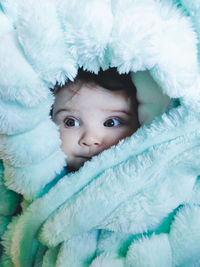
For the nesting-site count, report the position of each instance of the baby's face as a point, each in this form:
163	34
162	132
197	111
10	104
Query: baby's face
91	119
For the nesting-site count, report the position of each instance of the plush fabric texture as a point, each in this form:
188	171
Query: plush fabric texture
135	204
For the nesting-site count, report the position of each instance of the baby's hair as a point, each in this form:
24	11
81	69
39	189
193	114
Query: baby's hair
109	79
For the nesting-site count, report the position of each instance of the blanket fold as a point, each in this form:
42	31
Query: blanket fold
136	203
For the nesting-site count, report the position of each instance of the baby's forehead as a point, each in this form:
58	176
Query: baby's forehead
83	94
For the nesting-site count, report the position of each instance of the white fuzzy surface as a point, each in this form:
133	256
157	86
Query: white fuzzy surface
184	238
21	84
151	252
146	183
30	180
5	24
107	260
38	21
87	39
43	146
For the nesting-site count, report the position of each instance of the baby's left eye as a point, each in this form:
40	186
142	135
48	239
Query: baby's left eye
111	123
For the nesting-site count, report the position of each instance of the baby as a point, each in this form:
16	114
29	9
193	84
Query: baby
93	113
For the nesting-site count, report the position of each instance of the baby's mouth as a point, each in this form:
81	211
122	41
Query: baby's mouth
87	157
84	157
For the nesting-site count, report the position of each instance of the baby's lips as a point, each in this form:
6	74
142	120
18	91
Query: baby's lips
89	156
84	157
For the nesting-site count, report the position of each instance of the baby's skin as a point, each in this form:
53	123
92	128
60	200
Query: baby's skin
91	119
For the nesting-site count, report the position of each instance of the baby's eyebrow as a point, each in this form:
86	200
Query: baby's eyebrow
119	111
65	110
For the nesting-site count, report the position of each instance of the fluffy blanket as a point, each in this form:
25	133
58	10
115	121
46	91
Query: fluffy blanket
137	203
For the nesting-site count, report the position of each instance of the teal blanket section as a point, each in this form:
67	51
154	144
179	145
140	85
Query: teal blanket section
137	203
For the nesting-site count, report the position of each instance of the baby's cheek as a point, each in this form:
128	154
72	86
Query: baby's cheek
130	131
112	139
120	134
66	144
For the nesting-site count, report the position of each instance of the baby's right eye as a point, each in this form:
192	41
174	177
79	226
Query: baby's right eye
71	122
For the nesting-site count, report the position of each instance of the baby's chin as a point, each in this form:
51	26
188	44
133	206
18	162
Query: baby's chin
72	168
76	164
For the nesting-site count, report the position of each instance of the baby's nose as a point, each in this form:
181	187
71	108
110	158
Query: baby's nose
90	139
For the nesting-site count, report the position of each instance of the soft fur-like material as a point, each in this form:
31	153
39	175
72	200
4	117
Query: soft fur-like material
135	204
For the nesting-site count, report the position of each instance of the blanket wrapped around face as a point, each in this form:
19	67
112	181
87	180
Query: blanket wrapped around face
135	204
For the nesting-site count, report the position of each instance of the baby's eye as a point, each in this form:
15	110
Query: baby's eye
70	122
111	123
